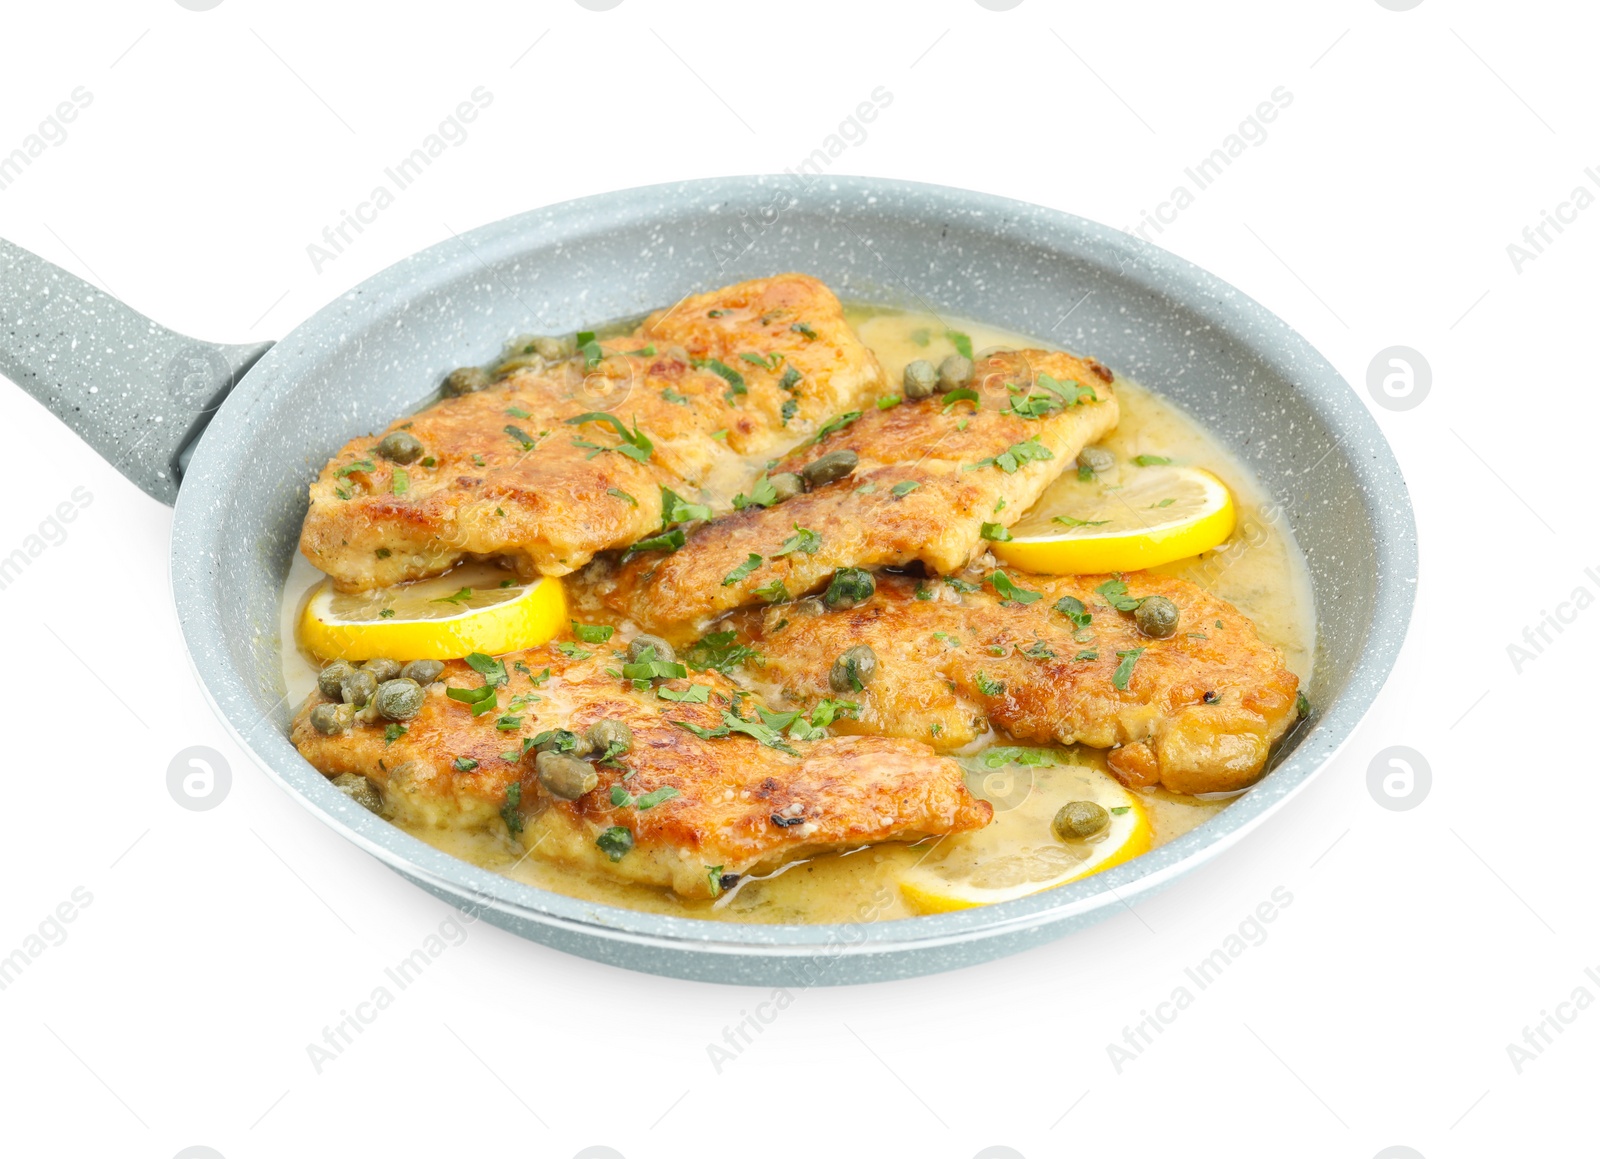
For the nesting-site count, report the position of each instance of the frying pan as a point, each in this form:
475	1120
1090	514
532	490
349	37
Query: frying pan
232	435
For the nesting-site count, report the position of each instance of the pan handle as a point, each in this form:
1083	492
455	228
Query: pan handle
138	393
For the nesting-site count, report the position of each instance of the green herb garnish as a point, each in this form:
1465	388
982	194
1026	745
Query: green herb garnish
742	571
1124	672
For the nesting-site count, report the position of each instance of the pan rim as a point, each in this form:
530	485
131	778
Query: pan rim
196	521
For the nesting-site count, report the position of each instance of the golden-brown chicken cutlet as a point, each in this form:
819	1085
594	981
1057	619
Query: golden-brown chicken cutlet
514	471
929	475
709	784
1048	659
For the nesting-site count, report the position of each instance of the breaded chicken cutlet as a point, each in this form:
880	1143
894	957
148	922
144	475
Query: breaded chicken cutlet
1049	659
710	784
516	470
927	476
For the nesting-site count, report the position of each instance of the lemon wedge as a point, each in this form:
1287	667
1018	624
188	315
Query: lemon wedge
1018	853
1146	517
471	609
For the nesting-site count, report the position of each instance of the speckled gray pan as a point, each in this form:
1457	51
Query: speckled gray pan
140	394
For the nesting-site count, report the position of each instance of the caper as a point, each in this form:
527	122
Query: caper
360	790
850	586
382	669
1078	820
787	484
358	687
1096	459
1157	616
563	740
400	447
423	671
663	650
400	699
564	776
955	372
328	679
332	719
853	670
833	465
467	380
920	379
553	349
610	736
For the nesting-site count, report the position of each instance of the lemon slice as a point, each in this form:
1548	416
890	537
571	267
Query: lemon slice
1018	853
472	609
1146	517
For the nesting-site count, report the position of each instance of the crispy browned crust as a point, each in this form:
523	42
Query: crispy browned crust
550	509
1162	728
846	791
861	519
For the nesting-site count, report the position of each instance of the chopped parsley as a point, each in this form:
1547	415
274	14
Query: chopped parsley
492	670
1115	592
961	394
393	732
694	694
888	400
836	423
987	686
647	667
571	651
1073	609
1124	672
815	726
674	509
742	571
804	330
465	764
803	540
592	633
790	379
1014	456
671	395
615	842
508	811
480	700
623	495
402	482
765	361
717	652
722	370
963	344
517	412
762	494
995	532
902	489
1039	650
1087	654
635	444
521	437
1069	521
1151	460
655	796
1015	755
774	592
1008	590
351	468
666	541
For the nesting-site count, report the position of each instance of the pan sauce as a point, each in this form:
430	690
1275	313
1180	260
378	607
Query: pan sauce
1259	570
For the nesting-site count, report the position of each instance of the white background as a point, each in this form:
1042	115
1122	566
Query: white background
1419	944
